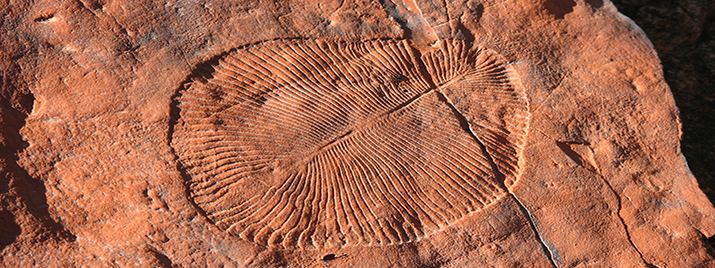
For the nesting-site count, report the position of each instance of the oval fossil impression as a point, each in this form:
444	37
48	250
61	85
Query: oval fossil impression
314	144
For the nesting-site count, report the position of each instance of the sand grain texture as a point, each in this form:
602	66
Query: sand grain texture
340	134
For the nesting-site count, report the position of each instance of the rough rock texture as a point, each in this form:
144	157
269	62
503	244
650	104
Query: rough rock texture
104	105
683	33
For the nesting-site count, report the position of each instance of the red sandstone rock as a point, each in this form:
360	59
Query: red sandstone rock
346	134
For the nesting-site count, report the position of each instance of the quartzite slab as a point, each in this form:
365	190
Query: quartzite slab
92	173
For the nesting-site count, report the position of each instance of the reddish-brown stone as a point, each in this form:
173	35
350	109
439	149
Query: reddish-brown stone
96	168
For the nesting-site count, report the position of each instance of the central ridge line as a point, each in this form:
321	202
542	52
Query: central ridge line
361	124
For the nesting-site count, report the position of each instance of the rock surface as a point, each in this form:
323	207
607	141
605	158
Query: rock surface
93	170
683	34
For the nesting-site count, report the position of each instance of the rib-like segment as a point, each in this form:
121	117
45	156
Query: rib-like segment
314	144
486	91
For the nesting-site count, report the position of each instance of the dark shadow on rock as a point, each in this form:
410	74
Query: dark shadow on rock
595	3
10	120
559	8
9	229
22	195
163	260
4	181
463	33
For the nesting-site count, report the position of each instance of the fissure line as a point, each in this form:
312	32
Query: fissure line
537	232
623	222
464	123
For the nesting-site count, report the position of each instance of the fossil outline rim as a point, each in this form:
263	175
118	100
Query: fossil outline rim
216	105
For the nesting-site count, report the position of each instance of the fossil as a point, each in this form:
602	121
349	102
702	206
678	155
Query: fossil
314	144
